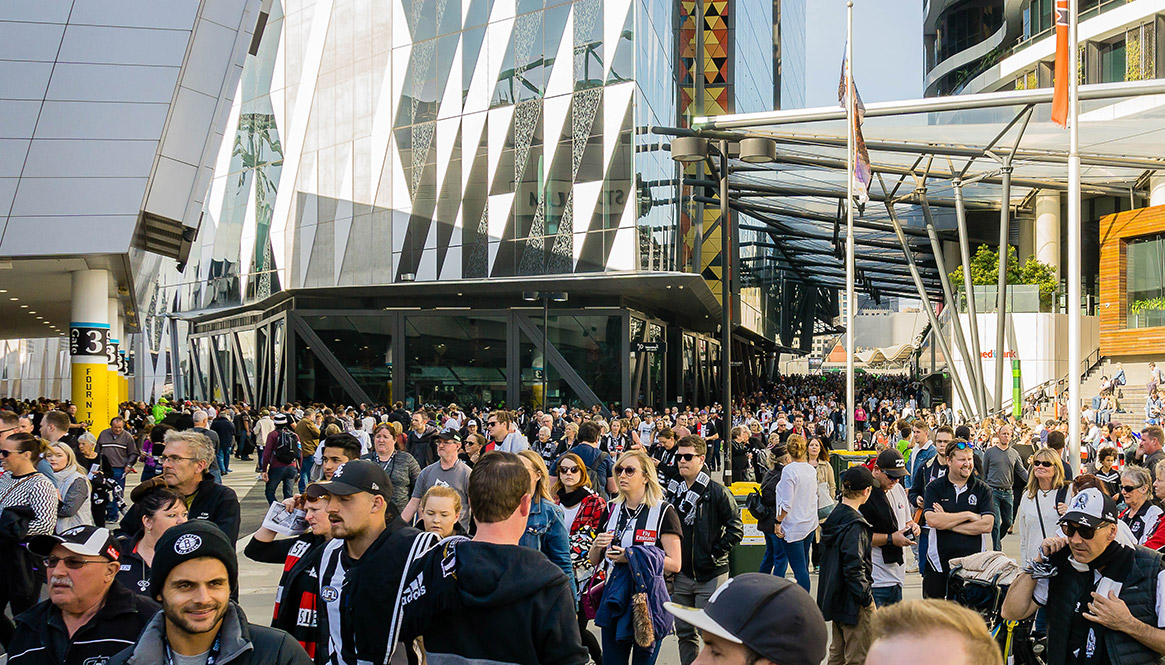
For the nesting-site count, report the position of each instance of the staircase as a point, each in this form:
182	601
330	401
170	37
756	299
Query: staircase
1134	390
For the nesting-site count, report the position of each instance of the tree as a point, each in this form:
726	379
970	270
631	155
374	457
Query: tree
985	272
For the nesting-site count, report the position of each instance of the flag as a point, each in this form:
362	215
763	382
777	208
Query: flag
1063	66
862	173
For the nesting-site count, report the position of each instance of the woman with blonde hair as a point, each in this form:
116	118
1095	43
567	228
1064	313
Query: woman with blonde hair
796	520
1045	499
75	508
546	529
441	510
637	516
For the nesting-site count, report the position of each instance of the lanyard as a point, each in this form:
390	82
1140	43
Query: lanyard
211	656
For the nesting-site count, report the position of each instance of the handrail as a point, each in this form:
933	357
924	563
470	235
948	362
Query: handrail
1086	365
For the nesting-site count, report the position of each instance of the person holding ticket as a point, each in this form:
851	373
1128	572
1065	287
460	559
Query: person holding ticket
305	518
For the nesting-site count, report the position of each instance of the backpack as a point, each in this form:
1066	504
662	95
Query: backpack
287	448
756	506
599	485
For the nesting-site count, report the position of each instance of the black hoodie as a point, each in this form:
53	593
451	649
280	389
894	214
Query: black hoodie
509	604
846	582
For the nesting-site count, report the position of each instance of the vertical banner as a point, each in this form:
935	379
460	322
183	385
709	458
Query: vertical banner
89	361
113	391
1016	387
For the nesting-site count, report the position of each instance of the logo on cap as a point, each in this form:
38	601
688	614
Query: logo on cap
74	531
187	544
338	472
1081	502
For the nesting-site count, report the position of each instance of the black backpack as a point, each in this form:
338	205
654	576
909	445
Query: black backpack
287	448
756	505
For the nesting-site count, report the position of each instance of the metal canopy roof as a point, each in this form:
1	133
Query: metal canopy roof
921	149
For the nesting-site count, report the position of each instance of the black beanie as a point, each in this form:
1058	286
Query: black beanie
193	540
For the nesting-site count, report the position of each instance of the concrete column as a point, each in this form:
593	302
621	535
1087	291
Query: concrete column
1047	231
88	342
1156	190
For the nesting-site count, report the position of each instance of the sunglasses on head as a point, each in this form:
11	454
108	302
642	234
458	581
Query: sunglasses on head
1044	463
962	445
1071	529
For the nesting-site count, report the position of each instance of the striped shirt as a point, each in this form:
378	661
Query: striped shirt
35	491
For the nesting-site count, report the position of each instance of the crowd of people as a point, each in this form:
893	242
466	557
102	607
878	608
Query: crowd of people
490	535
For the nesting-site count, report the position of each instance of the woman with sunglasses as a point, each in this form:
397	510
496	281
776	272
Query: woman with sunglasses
582	509
638	516
1047	495
1142	513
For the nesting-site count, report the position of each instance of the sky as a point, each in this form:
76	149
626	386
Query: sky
887	49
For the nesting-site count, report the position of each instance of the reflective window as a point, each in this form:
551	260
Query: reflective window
1146	282
363	346
455	359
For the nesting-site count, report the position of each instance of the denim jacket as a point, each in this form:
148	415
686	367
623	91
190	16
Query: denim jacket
546	532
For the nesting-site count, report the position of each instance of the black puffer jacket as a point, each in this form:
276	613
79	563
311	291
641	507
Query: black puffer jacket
243	643
846	583
718	529
41	636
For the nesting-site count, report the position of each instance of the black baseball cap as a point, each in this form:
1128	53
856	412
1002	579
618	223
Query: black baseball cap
1091	507
449	435
352	477
891	462
857	478
768	614
86	540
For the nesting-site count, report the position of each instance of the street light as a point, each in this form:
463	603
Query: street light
546	297
754	150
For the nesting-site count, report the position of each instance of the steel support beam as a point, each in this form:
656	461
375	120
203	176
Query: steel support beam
972	362
926	305
329	360
553	357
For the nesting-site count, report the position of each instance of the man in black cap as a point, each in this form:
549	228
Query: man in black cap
1105	601
361	568
845	591
193	574
888	511
758	618
89	616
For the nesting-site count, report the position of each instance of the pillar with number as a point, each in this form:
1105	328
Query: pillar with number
88	342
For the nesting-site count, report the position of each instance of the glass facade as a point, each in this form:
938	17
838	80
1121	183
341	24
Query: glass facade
1146	282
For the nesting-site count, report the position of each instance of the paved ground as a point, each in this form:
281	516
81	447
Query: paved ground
258	581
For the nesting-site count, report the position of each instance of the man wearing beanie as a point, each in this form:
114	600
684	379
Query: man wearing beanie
193	575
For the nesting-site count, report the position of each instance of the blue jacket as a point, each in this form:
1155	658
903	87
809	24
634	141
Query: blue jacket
642	574
920	458
546	532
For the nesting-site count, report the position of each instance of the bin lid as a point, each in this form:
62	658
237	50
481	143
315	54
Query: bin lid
742	488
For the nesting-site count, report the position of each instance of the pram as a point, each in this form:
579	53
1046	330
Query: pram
980	582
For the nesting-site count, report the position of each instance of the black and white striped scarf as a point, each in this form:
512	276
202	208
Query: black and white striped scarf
684	498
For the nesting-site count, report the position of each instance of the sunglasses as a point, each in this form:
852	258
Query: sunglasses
567	469
6	453
962	445
71	562
1086	532
1043	463
626	470
687	457
1130	488
491	423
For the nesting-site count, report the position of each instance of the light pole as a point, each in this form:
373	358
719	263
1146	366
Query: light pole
546	297
754	150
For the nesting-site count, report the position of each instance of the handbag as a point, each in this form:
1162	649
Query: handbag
825	502
592	594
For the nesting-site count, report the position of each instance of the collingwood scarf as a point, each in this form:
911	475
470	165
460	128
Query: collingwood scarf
685	499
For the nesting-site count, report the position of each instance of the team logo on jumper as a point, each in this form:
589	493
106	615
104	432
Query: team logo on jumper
330	594
187	544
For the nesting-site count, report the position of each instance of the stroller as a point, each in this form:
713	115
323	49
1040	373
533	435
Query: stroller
980	582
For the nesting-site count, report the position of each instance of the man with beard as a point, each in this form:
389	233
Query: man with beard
89	616
194	572
362	566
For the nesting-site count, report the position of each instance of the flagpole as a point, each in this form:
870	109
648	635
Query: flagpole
1074	268
850	296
